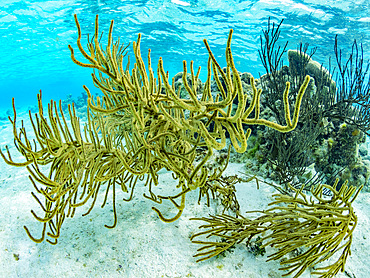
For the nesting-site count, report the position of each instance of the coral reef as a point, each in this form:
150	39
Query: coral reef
333	122
142	124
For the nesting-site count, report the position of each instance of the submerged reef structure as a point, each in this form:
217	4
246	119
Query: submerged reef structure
334	117
142	123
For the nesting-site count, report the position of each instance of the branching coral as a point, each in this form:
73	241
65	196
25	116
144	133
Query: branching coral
336	95
322	227
139	126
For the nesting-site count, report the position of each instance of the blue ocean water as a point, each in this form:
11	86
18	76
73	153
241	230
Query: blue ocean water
34	36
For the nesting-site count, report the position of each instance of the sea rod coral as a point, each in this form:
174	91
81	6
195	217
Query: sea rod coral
311	229
139	126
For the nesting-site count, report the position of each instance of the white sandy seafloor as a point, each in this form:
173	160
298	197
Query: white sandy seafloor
141	245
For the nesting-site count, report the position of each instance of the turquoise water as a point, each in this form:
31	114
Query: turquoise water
34	36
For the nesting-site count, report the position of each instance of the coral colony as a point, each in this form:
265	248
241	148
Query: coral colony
142	123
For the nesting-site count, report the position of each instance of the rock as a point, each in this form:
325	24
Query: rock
322	76
179	82
363	150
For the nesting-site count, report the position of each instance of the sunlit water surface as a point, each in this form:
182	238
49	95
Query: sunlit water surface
34	36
